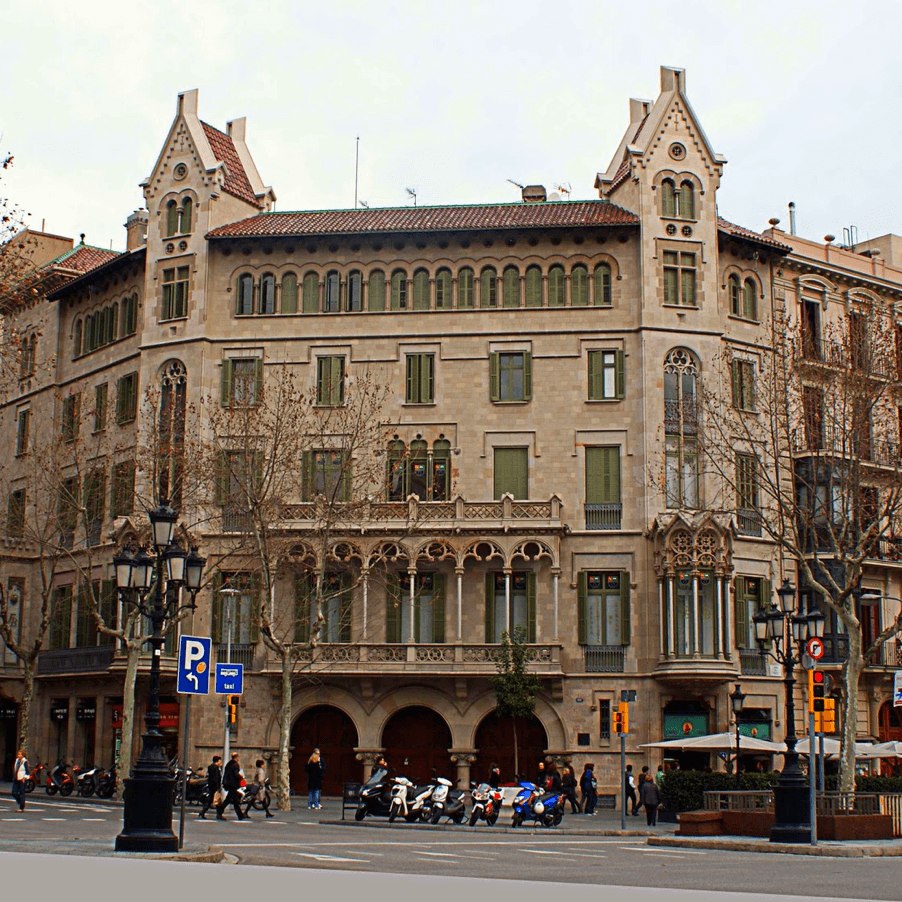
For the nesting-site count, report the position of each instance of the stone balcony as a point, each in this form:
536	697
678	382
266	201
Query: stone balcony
94	659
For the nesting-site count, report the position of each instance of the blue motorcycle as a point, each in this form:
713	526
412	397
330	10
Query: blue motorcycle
534	804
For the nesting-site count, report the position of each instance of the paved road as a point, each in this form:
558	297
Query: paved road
306	839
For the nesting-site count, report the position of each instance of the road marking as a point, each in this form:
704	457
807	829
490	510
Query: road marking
659	849
540	851
53	818
14	819
99	819
588	854
330	857
437	854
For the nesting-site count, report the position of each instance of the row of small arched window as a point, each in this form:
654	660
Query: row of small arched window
678	201
743	297
422	292
102	327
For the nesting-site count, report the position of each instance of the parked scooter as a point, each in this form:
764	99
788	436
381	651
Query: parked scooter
59	780
408	800
84	780
195	786
532	804
375	796
34	778
486	804
105	783
443	804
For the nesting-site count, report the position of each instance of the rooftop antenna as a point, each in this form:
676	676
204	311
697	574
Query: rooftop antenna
364	204
413	193
356	170
516	183
564	189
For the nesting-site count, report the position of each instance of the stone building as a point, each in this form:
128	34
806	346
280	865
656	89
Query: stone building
545	358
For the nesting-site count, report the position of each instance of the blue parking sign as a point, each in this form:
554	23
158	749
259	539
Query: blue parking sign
194	665
229	679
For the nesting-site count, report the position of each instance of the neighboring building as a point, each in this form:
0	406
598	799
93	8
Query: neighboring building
547	358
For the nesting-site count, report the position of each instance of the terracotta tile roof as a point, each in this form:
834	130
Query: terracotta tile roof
83	258
110	262
430	219
740	232
621	174
639	130
236	181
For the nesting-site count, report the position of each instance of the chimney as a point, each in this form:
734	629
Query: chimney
638	109
673	79
534	194
237	128
136	230
187	105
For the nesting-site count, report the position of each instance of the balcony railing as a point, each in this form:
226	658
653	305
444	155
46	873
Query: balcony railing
748	522
680	416
752	663
242	653
76	660
604	658
836	648
603	516
235	521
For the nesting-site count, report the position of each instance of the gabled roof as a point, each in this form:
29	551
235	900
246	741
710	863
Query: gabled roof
236	181
737	231
551	214
83	258
99	269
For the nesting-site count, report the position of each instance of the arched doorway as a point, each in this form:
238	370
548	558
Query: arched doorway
495	744
683	719
890	725
332	732
416	742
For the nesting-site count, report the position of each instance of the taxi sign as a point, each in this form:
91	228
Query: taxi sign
229	679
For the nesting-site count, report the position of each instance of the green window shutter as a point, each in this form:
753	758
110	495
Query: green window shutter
624	608
225	383
671	286
187	208
596	375
301	609
494	381
421	290
749	378
603	475
258	379
307	475
337	381
741	612
668	198
256	589
687	200
427	379
490	607
438	607
393	609
556	286
346	474
376	290
488	288
689	288
172	219
413	378
735	378
579	287
511	287
527	376
533	287
465	288
582	590
750	298
311	293
619	374
530	606
289	293
602	285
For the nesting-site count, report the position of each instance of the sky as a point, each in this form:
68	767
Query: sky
452	99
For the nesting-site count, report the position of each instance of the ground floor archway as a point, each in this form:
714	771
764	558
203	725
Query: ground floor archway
416	742
890	730
330	730
495	745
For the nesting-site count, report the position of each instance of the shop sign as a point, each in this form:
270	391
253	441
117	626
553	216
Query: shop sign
8	711
59	712
169	716
755	730
117	716
86	712
682	726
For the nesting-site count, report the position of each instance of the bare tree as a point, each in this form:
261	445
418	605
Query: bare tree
804	435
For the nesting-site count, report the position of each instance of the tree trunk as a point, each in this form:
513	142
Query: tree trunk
851	674
516	751
133	651
25	707
285	730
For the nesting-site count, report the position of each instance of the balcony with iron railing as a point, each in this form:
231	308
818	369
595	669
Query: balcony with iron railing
604	658
604	516
240	653
748	522
93	659
752	662
681	416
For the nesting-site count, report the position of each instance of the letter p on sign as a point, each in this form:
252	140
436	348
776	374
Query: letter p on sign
194	665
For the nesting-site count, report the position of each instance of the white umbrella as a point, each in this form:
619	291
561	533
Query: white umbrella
889	749
718	742
864	750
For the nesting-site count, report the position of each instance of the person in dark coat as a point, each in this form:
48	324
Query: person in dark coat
314	768
495	777
214	785
630	785
588	785
568	785
231	783
552	780
541	774
650	797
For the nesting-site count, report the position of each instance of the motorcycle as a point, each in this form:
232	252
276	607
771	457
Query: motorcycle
257	798
486	804
105	783
59	780
533	804
375	796
195	787
34	778
84	780
443	804
408	800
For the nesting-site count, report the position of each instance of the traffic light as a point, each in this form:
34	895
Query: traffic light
622	718
232	702
828	718
816	689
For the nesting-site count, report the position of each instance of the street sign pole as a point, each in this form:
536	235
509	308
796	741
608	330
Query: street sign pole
184	771
229	595
820	765
623	781
812	773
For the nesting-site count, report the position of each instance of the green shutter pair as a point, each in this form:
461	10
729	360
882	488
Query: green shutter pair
742	610
420	378
490	608
495	376
596	375
583	602
603	475
511	472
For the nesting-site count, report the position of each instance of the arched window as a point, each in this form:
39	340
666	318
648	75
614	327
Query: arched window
750	299
376	290
76	339
311	293
268	293
488	287
687	200
129	315
465	280
556	286
289	293
397	471
603	285
443	289
173	392
419	470
421	290
511	288
244	303
333	292
355	291
579	286
734	286
534	287
172	219
668	198
681	430
114	323
441	470
399	290
186	217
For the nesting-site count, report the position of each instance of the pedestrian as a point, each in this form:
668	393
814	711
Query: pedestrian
630	788
644	775
259	786
20	775
314	768
213	796
552	779
540	775
231	784
568	784
589	786
381	764
650	797
495	777
659	777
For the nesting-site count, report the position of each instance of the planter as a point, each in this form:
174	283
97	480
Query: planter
855	826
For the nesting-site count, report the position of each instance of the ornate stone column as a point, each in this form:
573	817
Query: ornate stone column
463	758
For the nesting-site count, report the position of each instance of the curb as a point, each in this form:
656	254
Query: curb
739	845
465	828
198	854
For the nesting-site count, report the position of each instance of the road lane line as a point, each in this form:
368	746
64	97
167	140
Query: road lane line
437	854
330	857
653	849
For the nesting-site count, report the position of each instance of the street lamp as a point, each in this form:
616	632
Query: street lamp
147	812
787	630
737	697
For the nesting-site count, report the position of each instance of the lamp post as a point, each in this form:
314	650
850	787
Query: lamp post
229	595
737	697
147	812
787	630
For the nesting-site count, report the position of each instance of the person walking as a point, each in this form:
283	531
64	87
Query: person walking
314	768
552	779
650	797
214	787
541	774
20	775
589	787
630	785
659	777
231	783
568	784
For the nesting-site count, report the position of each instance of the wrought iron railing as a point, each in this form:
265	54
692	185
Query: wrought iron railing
604	658
604	516
748	522
439	654
751	663
241	653
836	648
76	660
